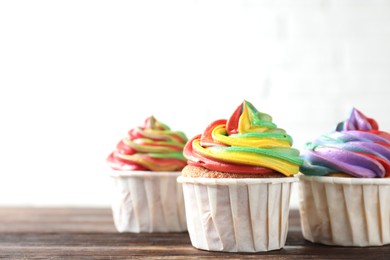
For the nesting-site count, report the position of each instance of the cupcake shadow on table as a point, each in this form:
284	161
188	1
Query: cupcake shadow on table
344	187
238	182
145	166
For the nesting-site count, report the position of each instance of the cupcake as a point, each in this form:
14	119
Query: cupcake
344	185
145	166
237	183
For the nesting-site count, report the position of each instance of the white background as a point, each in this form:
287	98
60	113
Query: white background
75	76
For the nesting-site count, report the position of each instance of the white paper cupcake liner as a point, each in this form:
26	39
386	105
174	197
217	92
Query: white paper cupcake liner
146	201
345	211
237	215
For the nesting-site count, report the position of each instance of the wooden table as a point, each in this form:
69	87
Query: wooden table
78	233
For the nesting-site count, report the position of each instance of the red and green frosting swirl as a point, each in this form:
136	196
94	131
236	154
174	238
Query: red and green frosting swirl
152	147
247	143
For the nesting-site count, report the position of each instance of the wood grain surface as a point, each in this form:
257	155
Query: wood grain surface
89	233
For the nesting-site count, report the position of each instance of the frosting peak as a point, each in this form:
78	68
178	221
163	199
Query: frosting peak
248	142
152	146
357	121
246	118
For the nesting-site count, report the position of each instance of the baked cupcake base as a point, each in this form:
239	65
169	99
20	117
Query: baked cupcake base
237	214
345	211
146	201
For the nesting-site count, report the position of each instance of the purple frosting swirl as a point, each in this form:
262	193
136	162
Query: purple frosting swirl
356	148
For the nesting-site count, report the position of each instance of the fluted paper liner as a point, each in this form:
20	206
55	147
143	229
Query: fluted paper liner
237	215
345	211
146	201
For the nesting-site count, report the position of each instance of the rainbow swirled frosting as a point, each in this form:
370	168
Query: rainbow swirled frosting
153	147
248	143
356	148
